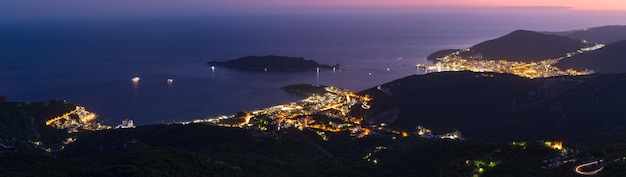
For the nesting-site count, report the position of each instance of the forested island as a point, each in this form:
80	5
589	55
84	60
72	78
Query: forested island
305	89
272	63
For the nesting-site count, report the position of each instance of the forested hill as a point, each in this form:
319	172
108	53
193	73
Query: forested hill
503	107
525	46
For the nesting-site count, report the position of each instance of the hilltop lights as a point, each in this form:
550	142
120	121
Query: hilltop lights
480	166
520	144
556	145
77	119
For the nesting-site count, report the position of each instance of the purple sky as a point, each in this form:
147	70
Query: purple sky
50	9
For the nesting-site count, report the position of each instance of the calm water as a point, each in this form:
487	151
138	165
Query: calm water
90	63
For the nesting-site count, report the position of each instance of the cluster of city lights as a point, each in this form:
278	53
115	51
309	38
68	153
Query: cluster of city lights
75	120
539	69
335	104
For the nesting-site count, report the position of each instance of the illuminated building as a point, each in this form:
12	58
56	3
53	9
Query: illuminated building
127	123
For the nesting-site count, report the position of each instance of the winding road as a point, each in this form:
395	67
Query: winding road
579	168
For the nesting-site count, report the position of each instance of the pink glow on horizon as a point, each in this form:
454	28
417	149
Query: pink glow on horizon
572	4
20	9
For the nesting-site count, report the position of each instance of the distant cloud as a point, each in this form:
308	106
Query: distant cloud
536	7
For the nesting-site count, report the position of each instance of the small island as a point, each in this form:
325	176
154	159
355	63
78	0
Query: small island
273	63
306	89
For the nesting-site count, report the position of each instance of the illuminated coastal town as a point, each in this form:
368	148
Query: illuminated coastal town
321	113
539	69
81	119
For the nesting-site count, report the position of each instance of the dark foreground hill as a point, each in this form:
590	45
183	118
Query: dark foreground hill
22	123
204	150
610	59
503	107
272	63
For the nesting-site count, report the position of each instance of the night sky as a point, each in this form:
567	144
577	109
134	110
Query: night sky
52	9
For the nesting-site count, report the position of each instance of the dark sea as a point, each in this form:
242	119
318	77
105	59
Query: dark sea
91	62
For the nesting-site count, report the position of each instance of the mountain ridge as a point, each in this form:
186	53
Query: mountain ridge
525	46
603	34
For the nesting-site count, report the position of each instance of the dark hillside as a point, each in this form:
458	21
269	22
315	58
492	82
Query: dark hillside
25	121
446	101
203	150
503	107
589	112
